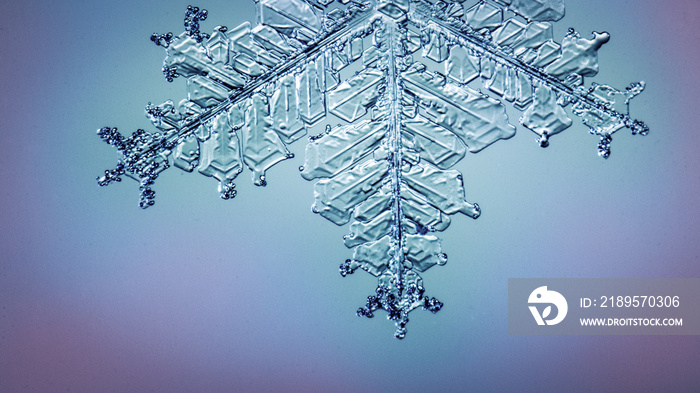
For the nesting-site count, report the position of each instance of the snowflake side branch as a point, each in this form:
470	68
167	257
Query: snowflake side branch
485	47
356	15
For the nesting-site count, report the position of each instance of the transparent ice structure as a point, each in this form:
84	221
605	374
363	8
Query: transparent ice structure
394	94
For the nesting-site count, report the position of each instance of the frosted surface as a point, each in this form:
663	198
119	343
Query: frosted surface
394	94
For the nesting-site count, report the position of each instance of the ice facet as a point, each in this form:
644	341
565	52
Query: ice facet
532	37
442	189
163	116
187	154
539	10
220	155
373	257
294	18
434	143
509	32
420	213
310	96
374	205
578	55
340	148
261	146
484	15
435	47
545	116
393	8
205	92
424	252
598	121
460	66
284	109
336	197
477	119
352	98
363	232
269	39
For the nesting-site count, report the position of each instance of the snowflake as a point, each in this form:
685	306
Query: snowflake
397	77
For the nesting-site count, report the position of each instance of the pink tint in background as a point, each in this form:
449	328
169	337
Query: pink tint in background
199	294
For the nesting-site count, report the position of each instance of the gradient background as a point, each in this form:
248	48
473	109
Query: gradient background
203	295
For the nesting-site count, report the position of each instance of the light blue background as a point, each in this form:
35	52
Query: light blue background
203	295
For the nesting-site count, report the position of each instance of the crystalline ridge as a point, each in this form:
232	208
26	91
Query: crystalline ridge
403	81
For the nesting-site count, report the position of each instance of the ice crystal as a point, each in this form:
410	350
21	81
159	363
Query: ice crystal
402	80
